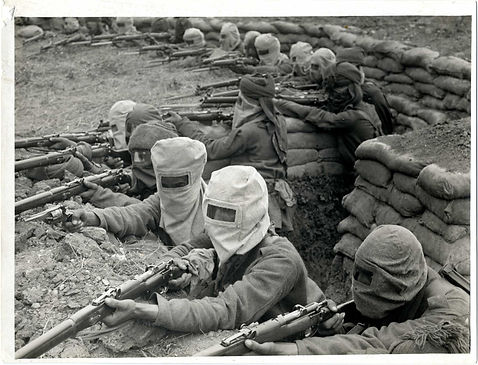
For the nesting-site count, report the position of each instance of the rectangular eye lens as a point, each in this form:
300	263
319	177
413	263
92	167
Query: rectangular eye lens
174	181
262	52
363	276
221	214
142	156
314	67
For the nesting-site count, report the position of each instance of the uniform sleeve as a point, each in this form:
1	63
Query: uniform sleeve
245	301
136	219
201	241
228	146
104	198
453	308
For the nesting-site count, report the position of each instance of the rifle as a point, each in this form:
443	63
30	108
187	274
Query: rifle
46	160
205	116
178	55
206	87
55	214
79	37
92	136
108	39
154	277
301	320
449	272
216	65
107	150
75	187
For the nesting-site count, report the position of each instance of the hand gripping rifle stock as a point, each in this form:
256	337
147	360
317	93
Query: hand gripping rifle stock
155	277
75	187
299	321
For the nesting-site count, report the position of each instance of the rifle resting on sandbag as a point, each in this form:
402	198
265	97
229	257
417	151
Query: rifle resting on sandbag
154	278
106	179
177	55
304	319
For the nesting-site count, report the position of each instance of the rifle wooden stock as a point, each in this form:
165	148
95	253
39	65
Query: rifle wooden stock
275	329
73	188
45	141
45	160
93	313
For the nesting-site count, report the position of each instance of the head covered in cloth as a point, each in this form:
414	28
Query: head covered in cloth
343	85
194	38
230	39
140	143
249	39
319	62
117	118
141	113
235	210
178	164
353	55
268	49
255	104
300	55
389	271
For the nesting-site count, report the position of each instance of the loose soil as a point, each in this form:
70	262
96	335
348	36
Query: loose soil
71	89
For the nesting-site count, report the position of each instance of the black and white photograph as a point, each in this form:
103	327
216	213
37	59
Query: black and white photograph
219	183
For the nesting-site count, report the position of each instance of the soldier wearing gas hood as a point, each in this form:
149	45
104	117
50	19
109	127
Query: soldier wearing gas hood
248	281
403	305
174	212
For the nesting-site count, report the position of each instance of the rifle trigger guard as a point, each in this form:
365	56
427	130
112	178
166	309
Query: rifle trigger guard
109	293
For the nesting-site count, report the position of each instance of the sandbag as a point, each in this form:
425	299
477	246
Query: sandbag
370	61
420	75
398	78
373	149
313	30
455	211
402	104
411	122
295	125
385	214
201	24
331	168
29	31
344	38
406	204
373	73
464	105
367	43
420	56
432	263
431	116
379	193
291	38
390	65
330	29
453	66
287	28
430	89
352	225
301	157
361	205
260	26
301	171
395	88
214	165
348	245
450	232
431	102
392	49
311	140
451	101
452	84
329	155
443	184
374	172
404	183
212	36
216	24
324	42
460	256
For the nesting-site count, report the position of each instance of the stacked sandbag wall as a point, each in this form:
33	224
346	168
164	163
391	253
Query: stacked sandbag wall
422	87
397	188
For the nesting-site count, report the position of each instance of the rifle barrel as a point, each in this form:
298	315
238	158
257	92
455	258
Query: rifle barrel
45	160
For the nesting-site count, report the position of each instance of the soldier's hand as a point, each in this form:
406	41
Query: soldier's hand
92	189
79	219
113	162
124	311
173	117
333	324
185	279
272	348
60	143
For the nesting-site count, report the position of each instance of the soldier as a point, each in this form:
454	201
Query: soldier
230	39
249	264
258	138
371	92
320	61
180	27
404	306
347	115
194	38
117	119
249	48
300	55
174	212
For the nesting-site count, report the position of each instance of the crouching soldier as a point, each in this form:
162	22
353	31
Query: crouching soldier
403	305
255	274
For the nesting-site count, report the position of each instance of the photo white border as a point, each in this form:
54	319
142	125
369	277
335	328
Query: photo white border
209	8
